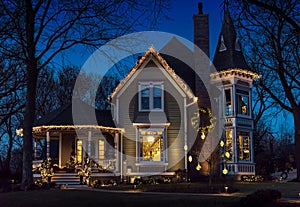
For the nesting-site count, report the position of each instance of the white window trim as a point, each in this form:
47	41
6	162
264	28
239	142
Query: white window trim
250	148
143	162
231	102
249	104
151	84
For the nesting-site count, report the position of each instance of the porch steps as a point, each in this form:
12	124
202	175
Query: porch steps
66	179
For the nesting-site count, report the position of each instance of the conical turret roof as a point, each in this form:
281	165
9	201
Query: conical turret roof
229	54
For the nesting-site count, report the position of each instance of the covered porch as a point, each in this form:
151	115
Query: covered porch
69	145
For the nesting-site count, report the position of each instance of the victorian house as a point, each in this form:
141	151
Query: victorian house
148	130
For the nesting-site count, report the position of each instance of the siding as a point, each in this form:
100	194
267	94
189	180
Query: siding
128	110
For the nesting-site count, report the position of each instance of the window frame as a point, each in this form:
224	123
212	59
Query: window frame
225	102
241	147
100	156
163	151
151	86
242	93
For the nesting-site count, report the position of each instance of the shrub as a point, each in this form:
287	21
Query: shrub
252	178
261	197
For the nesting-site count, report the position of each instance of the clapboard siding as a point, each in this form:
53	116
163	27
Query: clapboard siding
128	111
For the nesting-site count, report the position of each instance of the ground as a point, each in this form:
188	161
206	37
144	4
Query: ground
132	196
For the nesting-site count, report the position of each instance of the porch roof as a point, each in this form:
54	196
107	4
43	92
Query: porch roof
61	119
64	116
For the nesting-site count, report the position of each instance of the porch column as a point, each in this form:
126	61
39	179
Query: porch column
60	150
48	144
116	142
35	148
89	143
121	161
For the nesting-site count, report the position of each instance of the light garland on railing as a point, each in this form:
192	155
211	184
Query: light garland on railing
39	129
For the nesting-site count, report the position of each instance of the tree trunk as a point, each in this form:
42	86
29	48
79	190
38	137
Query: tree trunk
297	139
32	73
27	178
9	150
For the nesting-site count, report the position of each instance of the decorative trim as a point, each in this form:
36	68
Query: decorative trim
171	72
40	129
236	72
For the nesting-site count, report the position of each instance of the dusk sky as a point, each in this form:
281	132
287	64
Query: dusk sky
181	24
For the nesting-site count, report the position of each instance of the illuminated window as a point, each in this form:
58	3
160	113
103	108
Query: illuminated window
228	151
150	96
79	151
151	145
243	102
101	148
228	105
244	146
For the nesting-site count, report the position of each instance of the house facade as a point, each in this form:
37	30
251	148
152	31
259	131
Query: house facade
149	129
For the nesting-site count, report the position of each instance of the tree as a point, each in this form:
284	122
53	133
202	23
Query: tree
11	107
271	37
46	94
43	29
65	84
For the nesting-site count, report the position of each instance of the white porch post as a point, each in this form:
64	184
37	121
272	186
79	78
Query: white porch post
60	150
116	142
89	143
35	149
121	161
48	144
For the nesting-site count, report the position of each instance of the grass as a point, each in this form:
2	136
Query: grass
72	198
67	197
287	189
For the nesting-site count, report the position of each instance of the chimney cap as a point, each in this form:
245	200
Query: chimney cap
200	8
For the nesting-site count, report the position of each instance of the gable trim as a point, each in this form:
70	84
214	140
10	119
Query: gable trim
164	66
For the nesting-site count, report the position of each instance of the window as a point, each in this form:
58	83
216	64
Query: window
244	146
228	152
243	102
101	148
228	105
151	145
79	151
150	96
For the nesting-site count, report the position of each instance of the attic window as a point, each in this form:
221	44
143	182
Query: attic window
222	45
237	45
151	96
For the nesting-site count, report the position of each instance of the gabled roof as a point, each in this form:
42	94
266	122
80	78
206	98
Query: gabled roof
184	55
63	117
151	51
228	54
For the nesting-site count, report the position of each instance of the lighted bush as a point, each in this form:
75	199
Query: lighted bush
261	197
252	178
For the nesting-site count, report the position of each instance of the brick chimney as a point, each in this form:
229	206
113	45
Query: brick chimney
202	61
201	30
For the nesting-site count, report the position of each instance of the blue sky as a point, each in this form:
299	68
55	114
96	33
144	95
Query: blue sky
182	19
181	24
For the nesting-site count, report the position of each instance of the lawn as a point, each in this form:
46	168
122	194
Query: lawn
69	197
72	198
